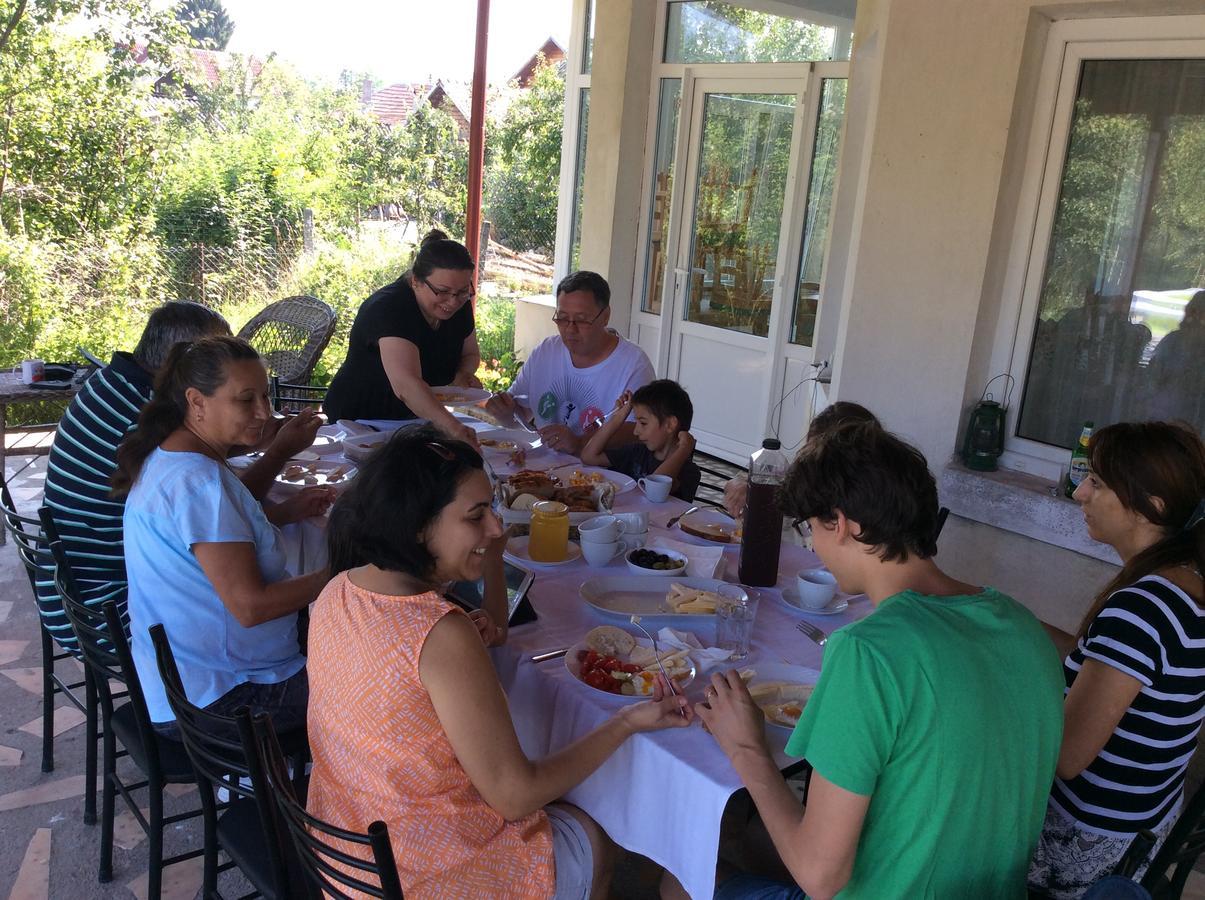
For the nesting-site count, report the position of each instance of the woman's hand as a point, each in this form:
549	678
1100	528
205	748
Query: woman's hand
305	504
296	433
732	717
466	379
462	432
665	710
491	634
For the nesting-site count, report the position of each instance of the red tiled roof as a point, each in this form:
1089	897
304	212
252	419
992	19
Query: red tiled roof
392	105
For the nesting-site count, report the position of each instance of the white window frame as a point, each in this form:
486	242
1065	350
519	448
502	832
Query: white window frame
575	81
1069	44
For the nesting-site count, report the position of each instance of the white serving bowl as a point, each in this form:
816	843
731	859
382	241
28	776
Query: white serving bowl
667	573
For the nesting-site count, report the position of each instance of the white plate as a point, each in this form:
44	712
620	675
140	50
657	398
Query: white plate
621	596
713	517
514	439
574	667
459	396
358	447
782	672
623	483
326	444
839	603
319	471
516	550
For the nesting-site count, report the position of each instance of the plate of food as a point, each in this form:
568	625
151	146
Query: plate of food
451	395
612	661
517	493
781	691
298	474
657	600
588	476
712	525
359	446
505	441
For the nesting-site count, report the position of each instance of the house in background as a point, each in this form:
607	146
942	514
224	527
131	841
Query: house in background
550	53
889	202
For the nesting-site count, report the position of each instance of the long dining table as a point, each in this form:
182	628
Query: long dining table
662	794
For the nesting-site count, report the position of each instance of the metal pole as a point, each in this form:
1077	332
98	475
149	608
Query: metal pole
472	222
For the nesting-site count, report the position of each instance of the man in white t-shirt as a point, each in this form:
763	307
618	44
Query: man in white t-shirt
575	378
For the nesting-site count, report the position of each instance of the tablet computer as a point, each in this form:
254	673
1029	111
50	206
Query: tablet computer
518	582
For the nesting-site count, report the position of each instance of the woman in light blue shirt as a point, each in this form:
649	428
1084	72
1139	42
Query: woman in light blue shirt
203	557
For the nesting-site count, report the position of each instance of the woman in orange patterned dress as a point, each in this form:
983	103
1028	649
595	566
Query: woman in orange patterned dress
408	722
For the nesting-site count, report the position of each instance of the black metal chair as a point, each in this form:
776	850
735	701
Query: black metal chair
1172	865
246	830
106	652
33	548
288	397
327	868
290	335
942	515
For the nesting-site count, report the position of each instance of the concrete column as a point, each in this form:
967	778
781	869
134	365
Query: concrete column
620	87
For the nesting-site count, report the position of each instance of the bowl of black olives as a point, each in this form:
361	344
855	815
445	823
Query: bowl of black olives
648	561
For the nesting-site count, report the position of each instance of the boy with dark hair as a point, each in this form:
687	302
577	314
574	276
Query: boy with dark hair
663	445
935	727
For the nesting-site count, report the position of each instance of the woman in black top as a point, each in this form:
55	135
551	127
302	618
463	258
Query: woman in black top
409	336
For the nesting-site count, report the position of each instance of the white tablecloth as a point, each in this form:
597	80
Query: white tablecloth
661	795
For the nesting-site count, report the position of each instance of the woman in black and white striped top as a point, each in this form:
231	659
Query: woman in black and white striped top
1136	677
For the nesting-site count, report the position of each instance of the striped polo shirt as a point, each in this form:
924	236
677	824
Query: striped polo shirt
1155	633
81	462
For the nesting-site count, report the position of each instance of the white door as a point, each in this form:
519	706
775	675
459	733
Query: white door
730	285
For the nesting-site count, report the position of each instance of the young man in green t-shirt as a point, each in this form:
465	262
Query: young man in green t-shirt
935	726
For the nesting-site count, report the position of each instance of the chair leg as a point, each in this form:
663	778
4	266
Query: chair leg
47	700
91	704
209	886
154	883
108	790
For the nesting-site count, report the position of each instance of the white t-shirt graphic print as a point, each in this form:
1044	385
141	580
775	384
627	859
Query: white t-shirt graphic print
560	393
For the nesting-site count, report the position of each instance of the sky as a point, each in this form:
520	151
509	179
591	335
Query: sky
395	40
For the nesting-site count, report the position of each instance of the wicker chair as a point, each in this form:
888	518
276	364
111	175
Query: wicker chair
291	334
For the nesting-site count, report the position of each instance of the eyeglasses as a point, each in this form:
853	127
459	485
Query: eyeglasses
802	528
441	451
442	294
564	321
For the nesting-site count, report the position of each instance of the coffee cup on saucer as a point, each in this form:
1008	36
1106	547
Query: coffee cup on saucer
656	487
816	588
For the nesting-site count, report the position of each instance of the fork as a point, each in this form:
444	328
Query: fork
812	632
657	652
674	521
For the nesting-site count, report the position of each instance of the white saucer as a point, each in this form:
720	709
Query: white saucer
516	552
839	603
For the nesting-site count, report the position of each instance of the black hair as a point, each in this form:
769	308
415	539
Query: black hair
1141	461
842	412
592	282
665	398
171	324
203	365
437	251
876	479
400	490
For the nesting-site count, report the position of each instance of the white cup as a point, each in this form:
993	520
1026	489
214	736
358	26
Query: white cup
634	522
33	370
600	530
599	553
816	587
656	487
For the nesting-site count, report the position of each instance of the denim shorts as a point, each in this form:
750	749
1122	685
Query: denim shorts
284	702
750	887
571	854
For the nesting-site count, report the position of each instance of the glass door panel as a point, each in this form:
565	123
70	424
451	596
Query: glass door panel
743	157
663	189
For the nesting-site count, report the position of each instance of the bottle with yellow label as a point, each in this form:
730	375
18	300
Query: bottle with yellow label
549	541
1078	470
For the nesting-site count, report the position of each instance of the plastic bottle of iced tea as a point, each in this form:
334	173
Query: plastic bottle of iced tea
762	537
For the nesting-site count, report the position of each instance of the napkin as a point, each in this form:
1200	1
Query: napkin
702	562
704	657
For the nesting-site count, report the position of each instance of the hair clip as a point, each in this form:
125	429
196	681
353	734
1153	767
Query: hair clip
1197	516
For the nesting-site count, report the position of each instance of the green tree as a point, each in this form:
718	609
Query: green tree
525	164
207	22
433	169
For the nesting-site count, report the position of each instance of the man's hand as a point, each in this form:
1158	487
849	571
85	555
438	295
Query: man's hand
296	433
736	492
732	717
624	401
560	438
305	504
466	379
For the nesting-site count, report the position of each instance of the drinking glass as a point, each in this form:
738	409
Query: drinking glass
734	615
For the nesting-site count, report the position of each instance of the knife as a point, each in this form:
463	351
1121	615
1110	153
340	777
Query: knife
551	654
